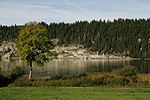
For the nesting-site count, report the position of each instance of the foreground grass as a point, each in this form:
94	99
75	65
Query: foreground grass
81	93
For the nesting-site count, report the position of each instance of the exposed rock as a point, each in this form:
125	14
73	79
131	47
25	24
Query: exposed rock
7	49
79	52
72	52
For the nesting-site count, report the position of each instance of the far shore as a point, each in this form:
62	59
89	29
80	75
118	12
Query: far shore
82	58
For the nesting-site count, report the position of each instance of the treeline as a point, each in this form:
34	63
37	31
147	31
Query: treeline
8	33
126	37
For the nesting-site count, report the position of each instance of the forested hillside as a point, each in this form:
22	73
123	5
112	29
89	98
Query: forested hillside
126	37
8	33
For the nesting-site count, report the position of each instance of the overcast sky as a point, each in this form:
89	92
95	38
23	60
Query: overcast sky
22	11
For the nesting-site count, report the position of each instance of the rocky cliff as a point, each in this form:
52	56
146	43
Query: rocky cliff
7	51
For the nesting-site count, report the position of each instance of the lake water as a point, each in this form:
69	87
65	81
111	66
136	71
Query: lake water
75	66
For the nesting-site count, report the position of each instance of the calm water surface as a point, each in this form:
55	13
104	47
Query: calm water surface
72	66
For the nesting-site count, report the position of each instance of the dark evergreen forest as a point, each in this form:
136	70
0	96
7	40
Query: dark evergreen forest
126	37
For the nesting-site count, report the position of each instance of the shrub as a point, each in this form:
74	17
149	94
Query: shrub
128	72
121	81
7	79
100	79
17	72
21	82
57	77
4	80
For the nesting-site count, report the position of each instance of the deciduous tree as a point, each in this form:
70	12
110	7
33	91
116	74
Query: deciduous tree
33	46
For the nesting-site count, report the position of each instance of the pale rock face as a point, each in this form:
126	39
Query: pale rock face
6	56
1	49
6	49
78	52
70	52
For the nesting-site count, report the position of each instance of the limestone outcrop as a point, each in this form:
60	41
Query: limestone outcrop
7	51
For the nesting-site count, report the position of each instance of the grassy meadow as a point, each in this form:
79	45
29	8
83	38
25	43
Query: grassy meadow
72	93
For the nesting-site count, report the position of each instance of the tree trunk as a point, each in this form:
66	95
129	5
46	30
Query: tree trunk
30	73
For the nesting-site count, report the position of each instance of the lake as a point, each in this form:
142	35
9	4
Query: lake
75	66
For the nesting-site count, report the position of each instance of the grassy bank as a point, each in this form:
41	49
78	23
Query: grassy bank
88	93
128	76
86	80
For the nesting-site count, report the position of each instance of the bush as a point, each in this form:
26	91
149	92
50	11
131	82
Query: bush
17	72
21	82
128	72
84	81
121	81
97	79
57	77
4	80
7	79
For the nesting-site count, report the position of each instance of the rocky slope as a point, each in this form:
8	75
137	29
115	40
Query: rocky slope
79	52
7	51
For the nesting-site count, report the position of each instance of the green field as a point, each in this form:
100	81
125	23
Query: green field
88	93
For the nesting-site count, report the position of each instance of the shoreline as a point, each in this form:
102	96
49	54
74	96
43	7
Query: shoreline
75	58
67	52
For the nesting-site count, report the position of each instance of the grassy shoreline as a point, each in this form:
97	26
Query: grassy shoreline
86	80
128	76
125	84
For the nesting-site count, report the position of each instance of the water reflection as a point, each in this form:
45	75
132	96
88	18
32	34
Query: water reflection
72	66
141	65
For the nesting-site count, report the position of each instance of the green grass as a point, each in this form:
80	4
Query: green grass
81	93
